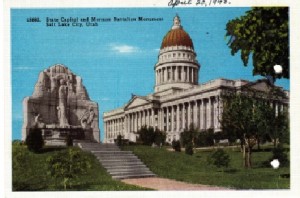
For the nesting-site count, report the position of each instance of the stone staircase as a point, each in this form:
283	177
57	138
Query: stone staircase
119	164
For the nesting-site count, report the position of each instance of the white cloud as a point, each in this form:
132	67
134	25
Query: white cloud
124	49
23	68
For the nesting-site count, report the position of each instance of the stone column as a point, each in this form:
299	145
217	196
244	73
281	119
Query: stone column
183	118
172	119
203	114
176	73
177	118
195	114
192	80
167	118
130	122
165	74
189	115
212	112
153	118
161	76
208	113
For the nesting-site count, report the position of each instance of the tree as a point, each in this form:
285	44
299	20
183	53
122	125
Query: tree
205	138
188	136
239	116
159	137
148	136
67	165
262	32
34	140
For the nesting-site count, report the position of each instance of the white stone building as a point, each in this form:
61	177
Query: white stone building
178	100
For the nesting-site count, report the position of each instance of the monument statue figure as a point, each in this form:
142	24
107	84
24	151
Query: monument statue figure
62	105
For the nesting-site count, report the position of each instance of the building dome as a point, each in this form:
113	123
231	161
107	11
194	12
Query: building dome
177	36
177	65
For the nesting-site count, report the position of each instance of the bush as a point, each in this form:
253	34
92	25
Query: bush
219	158
119	141
67	165
278	153
205	138
148	136
187	137
176	145
189	149
34	140
159	137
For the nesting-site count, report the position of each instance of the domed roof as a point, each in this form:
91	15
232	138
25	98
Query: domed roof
177	36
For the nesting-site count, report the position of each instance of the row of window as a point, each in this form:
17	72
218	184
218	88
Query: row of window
178	55
182	74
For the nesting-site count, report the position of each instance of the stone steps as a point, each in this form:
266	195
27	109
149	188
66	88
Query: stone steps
119	164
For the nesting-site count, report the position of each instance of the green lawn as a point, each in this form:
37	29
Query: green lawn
194	169
32	175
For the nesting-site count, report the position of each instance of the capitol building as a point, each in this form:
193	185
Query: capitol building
178	100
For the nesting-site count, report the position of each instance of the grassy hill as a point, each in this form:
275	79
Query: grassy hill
30	173
195	169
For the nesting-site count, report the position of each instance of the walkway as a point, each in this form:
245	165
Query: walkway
168	184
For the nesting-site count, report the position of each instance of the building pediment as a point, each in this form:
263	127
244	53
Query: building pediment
260	85
137	101
265	87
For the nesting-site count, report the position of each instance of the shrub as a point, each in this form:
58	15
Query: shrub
187	136
189	149
159	137
67	165
205	138
278	153
146	135
176	145
119	141
34	140
219	158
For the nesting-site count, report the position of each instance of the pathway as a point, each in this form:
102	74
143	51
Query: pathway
168	184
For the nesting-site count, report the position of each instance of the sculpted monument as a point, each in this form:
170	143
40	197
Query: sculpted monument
60	105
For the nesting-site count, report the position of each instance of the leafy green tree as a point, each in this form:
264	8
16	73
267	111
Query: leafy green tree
239	116
67	165
205	138
159	137
188	136
34	140
146	135
262	32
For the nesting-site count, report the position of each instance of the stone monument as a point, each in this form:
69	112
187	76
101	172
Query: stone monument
59	106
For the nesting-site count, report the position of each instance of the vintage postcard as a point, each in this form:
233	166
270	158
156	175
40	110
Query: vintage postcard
168	98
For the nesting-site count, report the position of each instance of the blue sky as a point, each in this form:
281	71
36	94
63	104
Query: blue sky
116	59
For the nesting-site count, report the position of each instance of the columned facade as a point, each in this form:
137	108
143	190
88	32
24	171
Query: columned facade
178	101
